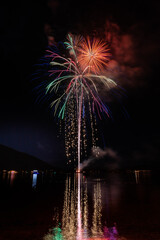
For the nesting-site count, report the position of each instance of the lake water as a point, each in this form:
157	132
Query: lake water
54	206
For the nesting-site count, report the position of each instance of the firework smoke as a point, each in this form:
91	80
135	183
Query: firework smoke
98	153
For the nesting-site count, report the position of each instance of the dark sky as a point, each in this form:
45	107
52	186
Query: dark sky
29	127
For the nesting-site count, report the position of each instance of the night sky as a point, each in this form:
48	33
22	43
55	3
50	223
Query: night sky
133	30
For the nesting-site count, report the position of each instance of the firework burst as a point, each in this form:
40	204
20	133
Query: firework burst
78	75
94	54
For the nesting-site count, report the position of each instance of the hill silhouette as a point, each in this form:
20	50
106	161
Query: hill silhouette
11	159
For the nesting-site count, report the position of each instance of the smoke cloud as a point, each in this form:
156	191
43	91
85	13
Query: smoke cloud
133	53
98	153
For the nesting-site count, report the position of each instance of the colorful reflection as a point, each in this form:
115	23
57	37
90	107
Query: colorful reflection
57	235
82	213
11	176
142	176
34	178
4	174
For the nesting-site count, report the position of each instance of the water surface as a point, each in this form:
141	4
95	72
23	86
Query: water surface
50	205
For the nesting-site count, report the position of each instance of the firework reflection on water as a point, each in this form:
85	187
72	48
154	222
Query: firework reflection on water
79	221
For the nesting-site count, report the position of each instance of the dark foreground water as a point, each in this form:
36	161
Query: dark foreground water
52	206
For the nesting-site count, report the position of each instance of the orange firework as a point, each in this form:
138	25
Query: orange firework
93	55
